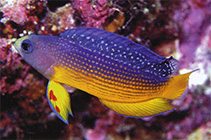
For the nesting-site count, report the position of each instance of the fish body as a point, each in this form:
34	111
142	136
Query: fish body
127	77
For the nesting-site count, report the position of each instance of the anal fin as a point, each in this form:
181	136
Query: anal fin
59	100
139	109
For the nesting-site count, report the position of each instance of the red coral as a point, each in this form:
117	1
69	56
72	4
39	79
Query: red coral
21	101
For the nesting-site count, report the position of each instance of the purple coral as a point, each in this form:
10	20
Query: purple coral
194	22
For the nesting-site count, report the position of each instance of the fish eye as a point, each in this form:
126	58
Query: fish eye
26	46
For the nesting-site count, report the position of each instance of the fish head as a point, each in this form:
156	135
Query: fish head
24	46
36	51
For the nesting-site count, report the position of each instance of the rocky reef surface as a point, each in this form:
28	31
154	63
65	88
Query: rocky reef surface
179	28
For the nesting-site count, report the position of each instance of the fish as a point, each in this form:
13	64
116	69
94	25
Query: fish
126	77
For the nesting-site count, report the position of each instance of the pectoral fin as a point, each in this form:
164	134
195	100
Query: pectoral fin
59	100
139	109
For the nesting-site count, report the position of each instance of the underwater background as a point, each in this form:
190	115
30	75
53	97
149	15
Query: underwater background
181	28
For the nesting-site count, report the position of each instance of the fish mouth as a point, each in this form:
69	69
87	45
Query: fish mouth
13	48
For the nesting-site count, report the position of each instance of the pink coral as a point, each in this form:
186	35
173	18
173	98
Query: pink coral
94	13
9	60
101	126
61	19
25	112
16	11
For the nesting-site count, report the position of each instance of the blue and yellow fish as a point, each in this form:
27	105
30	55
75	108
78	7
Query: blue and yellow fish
127	77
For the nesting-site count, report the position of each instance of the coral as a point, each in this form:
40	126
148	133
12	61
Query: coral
194	40
149	23
202	133
8	60
101	126
15	10
21	100
61	19
179	28
20	17
93	13
194	20
20	10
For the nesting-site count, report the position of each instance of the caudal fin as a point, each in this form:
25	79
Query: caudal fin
174	89
176	86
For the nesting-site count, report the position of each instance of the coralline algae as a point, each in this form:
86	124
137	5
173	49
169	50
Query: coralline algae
22	90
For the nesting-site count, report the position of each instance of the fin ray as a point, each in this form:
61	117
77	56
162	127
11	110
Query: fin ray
59	100
139	109
176	86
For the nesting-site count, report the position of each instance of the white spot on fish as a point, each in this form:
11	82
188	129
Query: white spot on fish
73	35
88	37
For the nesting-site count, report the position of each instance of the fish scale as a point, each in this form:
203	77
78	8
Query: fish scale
91	62
121	49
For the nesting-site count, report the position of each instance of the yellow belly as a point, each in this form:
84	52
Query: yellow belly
106	89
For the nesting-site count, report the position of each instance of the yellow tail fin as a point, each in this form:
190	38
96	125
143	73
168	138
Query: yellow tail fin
176	86
139	109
